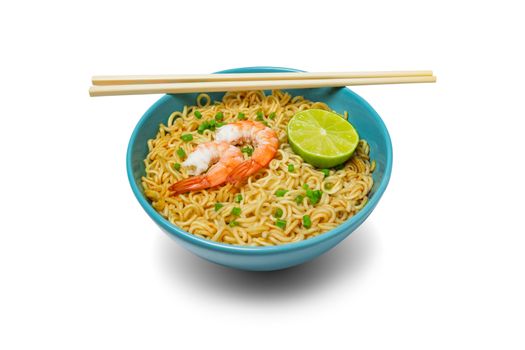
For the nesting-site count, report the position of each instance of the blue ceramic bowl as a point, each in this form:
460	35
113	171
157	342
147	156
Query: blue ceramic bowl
369	126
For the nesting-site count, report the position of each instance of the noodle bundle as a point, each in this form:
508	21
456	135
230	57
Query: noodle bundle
269	208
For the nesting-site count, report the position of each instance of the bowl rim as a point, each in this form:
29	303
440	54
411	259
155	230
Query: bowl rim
237	249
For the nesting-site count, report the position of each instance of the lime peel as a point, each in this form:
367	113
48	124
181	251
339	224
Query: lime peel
322	138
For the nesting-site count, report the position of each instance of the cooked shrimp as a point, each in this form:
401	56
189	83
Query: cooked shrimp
263	139
222	155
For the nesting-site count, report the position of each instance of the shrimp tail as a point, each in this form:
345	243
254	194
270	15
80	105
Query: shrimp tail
191	184
243	170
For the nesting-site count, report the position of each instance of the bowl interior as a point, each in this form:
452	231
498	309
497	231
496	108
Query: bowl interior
366	121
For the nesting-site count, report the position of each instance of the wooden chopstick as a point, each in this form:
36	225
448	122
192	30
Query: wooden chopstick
212	86
187	78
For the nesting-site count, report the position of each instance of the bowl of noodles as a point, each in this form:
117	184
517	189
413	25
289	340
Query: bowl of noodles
285	214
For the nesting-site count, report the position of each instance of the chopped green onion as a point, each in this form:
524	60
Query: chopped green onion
181	153
307	223
219	116
314	196
236	211
278	213
340	166
280	193
218	206
280	223
299	199
186	137
241	116
233	223
238	198
202	127
306	187
212	124
317	196
176	166
266	123
248	150
272	116
260	116
197	114
326	172
221	124
291	168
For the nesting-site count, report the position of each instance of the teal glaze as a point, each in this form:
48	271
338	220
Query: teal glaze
369	126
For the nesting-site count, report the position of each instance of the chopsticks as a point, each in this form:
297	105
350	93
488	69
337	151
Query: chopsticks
154	84
192	78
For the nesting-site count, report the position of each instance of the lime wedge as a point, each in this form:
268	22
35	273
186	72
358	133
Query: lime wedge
323	139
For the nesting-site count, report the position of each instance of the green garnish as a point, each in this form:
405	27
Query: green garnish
328	186
280	193
221	124
307	223
212	124
280	223
236	211
326	172
260	116
266	123
340	166
314	196
241	116
238	198
176	166
248	150
291	168
233	223
299	199
186	137
181	153
306	187
218	206
219	116
278	213
202	127
272	116
197	114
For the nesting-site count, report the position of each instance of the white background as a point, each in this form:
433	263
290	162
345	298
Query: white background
439	264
